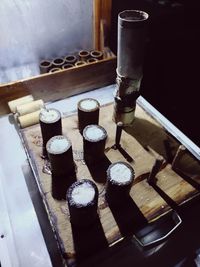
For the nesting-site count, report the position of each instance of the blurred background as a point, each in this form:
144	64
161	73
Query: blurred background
32	30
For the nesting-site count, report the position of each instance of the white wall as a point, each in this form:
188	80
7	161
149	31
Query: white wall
34	29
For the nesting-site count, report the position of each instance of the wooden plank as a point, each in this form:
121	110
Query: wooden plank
150	203
61	84
106	9
96	23
101	23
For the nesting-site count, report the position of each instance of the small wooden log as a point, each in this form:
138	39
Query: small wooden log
29	119
30	107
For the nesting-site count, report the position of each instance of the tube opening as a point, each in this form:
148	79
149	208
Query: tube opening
67	66
133	15
70	58
58	144
83	53
96	53
58	61
45	63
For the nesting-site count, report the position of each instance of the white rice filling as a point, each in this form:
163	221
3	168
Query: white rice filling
88	104
120	173
49	115
83	194
58	145
94	133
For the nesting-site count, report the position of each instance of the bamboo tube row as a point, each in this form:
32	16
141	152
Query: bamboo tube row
26	110
83	57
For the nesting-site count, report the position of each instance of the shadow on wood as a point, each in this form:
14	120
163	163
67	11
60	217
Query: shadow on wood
98	169
149	134
169	200
128	216
88	240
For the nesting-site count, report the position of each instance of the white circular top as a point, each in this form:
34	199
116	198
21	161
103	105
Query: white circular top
49	115
58	144
120	173
88	104
83	194
94	133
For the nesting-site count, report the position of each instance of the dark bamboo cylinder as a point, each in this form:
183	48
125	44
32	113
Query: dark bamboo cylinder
51	125
131	42
83	55
94	140
88	113
96	54
45	66
61	158
82	199
70	59
58	62
60	155
120	176
67	66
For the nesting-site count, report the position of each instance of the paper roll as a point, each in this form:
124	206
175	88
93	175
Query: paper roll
30	107
19	101
29	119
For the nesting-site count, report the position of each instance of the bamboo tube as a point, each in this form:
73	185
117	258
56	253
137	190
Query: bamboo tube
19	101
30	107
29	119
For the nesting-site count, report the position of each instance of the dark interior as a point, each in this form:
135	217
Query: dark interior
170	81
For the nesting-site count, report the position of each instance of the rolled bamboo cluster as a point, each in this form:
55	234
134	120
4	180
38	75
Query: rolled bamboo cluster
83	57
26	110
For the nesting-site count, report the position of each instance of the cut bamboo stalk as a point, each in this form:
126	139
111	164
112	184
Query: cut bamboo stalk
29	119
19	101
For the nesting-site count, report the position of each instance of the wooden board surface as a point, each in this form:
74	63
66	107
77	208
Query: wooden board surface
150	203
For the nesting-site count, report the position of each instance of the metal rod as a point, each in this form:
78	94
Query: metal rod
125	154
45	66
96	54
118	134
155	169
179	153
67	66
131	41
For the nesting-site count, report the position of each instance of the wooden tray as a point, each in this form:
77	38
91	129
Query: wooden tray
59	85
146	201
